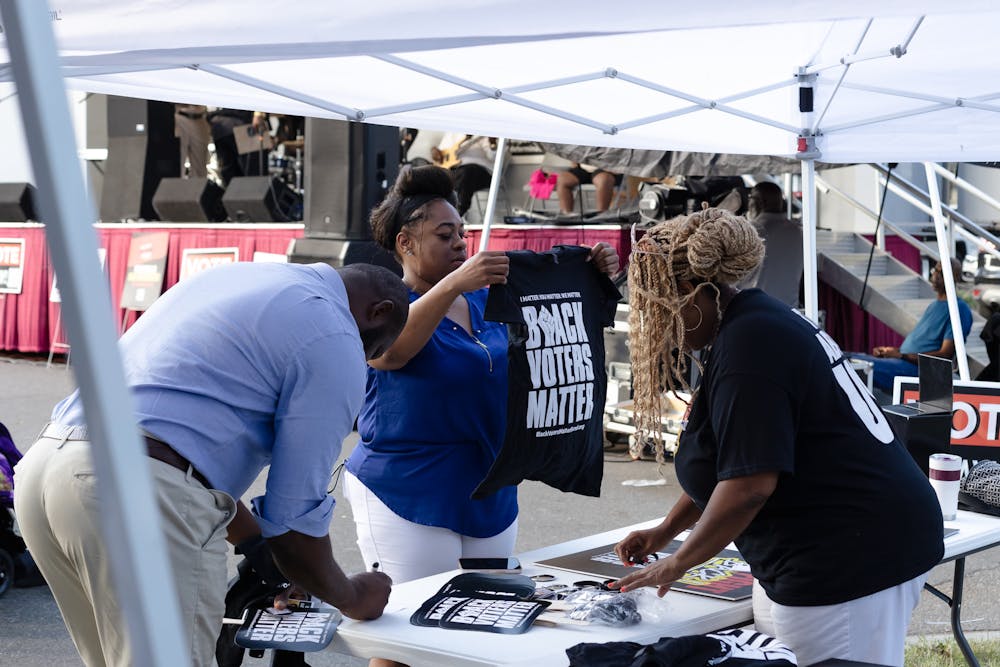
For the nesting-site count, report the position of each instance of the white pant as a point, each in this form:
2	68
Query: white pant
405	550
57	510
868	629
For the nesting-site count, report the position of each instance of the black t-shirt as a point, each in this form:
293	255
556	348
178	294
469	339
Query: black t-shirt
556	305
852	514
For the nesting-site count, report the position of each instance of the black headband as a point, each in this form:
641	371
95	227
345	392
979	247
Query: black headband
407	207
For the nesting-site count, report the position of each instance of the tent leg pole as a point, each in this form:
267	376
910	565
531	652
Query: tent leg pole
944	251
129	517
809	264
491	201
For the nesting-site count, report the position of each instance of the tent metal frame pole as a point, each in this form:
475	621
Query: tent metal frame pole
706	104
976	102
897	51
474	97
843	75
496	93
129	517
698	107
491	201
226	73
809	267
944	249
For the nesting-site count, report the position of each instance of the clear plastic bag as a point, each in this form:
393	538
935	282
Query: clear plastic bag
605	607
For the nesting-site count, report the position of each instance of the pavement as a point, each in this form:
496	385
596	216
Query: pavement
32	633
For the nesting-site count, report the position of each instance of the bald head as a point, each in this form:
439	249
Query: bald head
379	303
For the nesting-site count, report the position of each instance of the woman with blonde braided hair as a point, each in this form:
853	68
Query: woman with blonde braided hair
784	452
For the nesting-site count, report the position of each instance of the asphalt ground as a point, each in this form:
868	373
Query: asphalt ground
32	633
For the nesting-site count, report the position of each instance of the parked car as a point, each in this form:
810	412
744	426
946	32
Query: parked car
989	269
987	298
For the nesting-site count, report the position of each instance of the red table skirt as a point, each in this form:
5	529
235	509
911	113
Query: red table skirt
28	321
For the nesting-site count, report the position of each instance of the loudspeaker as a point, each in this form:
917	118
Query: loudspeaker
142	149
17	202
189	200
260	199
340	253
921	434
349	168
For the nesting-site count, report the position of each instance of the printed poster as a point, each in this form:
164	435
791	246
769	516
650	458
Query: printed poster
11	266
273	257
482	602
726	576
147	264
55	297
305	631
196	260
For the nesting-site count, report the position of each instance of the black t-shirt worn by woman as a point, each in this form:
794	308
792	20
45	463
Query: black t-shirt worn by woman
851	514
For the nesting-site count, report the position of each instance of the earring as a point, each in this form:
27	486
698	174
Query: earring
409	252
701	317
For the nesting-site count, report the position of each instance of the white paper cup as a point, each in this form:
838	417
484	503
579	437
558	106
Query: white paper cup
945	472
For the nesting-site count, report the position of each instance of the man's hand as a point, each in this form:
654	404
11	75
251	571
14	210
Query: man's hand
886	352
371	595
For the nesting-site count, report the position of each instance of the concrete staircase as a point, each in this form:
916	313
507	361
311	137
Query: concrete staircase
895	294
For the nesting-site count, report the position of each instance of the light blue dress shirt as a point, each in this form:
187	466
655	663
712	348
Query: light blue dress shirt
245	366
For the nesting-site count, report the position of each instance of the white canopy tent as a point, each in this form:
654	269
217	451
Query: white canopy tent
846	81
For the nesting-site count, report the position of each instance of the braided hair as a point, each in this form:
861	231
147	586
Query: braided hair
710	248
407	200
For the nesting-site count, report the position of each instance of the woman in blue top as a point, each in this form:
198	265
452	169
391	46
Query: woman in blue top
434	415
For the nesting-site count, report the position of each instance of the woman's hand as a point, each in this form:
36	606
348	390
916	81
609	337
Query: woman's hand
484	268
605	258
661	574
638	544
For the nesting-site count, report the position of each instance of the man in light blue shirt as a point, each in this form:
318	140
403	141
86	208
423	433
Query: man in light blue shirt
233	370
932	335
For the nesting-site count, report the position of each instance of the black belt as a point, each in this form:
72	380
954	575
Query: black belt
192	114
161	451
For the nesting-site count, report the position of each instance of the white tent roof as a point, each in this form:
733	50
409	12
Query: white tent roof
713	77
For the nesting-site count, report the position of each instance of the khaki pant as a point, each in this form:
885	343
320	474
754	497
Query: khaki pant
57	509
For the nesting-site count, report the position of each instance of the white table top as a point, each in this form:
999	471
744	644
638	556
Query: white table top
975	533
393	637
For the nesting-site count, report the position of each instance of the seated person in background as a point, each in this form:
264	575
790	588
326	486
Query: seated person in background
932	335
780	274
604	183
470	159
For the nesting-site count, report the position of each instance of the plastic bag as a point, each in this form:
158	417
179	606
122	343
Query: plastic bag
604	607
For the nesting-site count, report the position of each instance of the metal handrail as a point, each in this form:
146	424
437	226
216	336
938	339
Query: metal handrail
899	231
954	215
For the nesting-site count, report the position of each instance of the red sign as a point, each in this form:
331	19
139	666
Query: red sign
976	418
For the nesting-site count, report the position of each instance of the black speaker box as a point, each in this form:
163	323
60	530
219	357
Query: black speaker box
340	253
349	168
260	199
189	200
17	202
921	434
142	149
